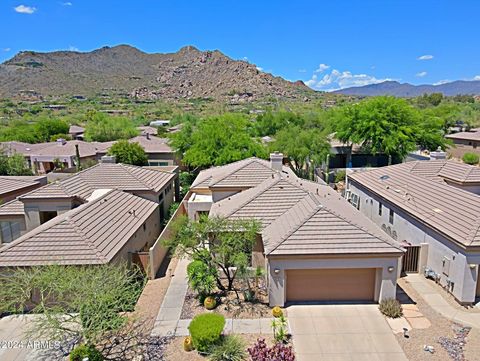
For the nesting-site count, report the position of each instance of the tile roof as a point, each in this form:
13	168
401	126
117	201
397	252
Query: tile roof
66	149
12	208
300	217
475	136
444	169
90	234
153	144
245	173
450	210
75	129
23	148
104	176
11	183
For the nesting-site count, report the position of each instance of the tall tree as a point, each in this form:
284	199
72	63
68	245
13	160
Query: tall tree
381	125
128	153
103	128
14	164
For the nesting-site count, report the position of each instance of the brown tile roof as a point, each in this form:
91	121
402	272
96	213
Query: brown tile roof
12	208
450	210
67	149
474	136
104	176
444	169
245	173
23	148
11	184
90	234
153	144
300	217
75	129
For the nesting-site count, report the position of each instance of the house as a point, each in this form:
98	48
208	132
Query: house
144	130
39	206
464	142
108	228
13	186
76	132
312	243
433	209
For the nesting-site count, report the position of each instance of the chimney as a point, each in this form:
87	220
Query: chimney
276	161
438	154
61	141
147	135
108	159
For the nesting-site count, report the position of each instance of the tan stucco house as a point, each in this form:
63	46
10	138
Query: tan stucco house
313	244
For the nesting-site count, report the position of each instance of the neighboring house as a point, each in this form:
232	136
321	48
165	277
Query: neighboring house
144	130
429	206
13	186
43	204
313	244
108	228
464	142
76	132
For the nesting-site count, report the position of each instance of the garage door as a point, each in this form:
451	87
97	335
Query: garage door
356	284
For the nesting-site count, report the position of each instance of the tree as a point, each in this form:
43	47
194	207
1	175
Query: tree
217	242
103	128
380	125
79	303
471	158
14	164
305	148
128	153
217	141
46	128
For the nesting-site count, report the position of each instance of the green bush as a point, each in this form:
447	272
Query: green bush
340	176
231	348
86	351
201	277
390	307
471	158
206	330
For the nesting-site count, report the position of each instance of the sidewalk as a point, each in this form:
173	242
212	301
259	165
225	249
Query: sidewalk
439	304
168	322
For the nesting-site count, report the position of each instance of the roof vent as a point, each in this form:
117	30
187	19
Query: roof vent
438	154
108	159
61	141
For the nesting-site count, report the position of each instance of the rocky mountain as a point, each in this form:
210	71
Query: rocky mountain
188	73
408	90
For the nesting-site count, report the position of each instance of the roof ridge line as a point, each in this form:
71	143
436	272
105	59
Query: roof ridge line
315	209
82	236
250	160
134	176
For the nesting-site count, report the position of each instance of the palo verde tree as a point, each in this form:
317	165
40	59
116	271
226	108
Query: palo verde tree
217	242
79	304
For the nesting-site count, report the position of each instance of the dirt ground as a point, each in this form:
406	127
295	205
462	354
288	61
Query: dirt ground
441	327
152	296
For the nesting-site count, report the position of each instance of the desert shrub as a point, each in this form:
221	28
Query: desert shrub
340	176
206	330
471	158
201	277
231	348
82	352
390	307
279	352
279	328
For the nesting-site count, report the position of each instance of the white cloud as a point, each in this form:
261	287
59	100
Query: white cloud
68	3
477	77
6	49
22	9
321	68
440	82
259	68
342	79
421	74
425	57
302	70
73	48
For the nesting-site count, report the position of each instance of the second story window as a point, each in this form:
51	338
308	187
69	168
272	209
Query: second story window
379	208
390	217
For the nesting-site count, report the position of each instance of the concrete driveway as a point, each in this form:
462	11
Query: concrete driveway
342	332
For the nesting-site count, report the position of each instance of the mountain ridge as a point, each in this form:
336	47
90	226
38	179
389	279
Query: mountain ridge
395	88
124	69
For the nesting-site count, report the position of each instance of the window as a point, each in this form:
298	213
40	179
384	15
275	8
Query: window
9	231
355	200
160	198
154	163
390	217
45	216
379	208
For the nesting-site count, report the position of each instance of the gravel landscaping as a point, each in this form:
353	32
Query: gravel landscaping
228	305
442	330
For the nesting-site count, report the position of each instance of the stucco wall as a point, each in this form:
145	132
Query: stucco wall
142	237
10	196
386	282
34	207
469	188
441	251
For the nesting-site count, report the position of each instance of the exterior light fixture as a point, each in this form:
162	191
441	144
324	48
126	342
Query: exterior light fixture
472	266
276	271
391	269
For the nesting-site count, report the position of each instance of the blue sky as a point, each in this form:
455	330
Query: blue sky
328	44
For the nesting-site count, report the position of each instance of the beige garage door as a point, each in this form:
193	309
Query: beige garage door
356	284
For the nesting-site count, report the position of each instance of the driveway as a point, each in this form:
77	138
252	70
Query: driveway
342	332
